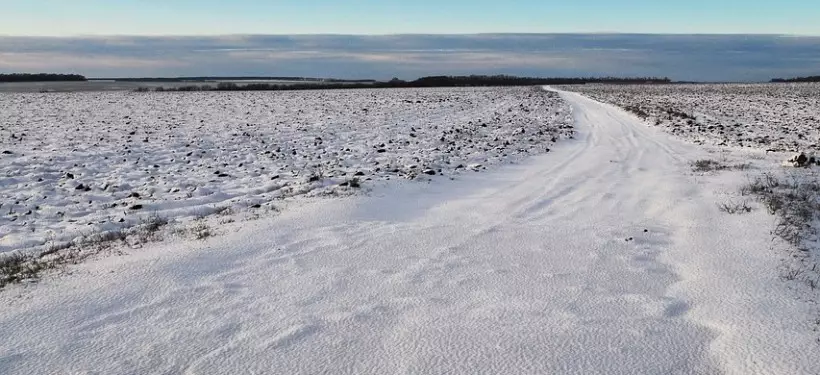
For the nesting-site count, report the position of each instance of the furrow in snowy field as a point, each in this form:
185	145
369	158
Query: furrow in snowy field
81	163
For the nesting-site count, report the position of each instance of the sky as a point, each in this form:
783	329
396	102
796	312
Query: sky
217	17
381	39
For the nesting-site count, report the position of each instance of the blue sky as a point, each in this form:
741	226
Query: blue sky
219	17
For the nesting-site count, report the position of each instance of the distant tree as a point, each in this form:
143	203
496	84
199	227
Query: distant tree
227	86
797	79
40	77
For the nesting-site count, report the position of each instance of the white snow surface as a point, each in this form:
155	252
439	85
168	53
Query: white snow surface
776	116
74	164
526	269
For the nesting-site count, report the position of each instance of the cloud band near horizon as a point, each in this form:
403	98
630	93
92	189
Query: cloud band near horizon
680	57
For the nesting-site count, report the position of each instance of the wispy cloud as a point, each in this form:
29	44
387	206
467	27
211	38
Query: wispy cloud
685	57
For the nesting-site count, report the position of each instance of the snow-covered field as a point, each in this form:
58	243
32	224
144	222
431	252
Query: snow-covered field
74	164
608	255
780	117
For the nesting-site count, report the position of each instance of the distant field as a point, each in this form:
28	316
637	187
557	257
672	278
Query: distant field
776	116
94	85
83	86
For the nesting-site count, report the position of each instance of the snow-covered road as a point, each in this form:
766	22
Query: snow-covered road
606	256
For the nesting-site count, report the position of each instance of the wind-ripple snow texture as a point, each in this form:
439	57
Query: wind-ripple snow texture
79	163
447	293
779	117
604	257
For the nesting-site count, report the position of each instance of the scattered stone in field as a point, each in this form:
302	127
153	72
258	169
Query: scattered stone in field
263	146
798	160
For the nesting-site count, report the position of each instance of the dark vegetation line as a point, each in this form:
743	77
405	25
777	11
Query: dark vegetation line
251	78
330	83
433	81
41	77
797	79
303	83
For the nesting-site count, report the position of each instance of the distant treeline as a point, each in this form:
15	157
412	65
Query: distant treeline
505	80
433	81
230	86
40	77
797	79
205	79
